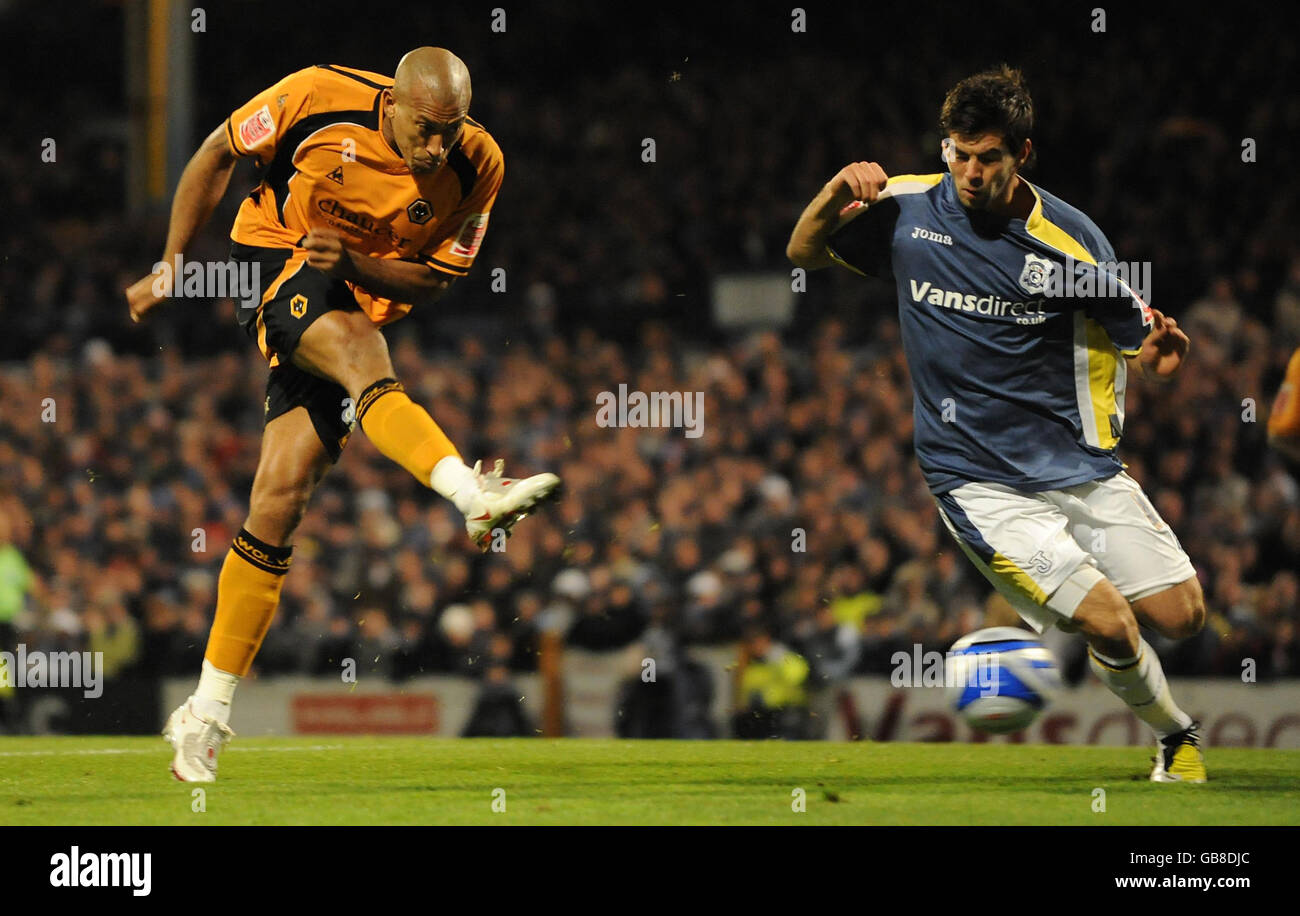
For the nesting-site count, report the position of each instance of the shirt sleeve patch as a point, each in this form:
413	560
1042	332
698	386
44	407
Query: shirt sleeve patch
256	128
1148	320
470	236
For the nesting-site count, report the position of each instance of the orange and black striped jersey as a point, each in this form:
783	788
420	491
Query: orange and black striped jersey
324	163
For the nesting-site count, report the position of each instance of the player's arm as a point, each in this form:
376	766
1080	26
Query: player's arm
202	185
400	281
858	181
1163	351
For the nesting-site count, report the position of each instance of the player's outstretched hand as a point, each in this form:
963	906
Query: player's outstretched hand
325	251
1165	347
143	295
858	181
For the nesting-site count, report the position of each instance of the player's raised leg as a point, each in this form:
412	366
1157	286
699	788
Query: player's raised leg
345	347
292	462
1130	668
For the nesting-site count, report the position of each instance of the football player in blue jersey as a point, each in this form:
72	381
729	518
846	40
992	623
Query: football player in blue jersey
1020	331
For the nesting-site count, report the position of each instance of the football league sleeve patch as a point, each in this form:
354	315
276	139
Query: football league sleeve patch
255	128
454	249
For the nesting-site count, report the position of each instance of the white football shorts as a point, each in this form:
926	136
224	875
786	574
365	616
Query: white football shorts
1029	544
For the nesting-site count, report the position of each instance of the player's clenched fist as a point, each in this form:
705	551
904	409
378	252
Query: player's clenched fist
858	181
1165	347
325	250
147	292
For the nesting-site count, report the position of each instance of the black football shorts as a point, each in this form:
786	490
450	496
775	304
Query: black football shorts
292	296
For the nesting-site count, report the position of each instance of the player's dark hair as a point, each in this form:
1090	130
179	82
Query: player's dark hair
995	101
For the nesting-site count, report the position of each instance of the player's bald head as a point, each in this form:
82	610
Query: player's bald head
433	78
426	108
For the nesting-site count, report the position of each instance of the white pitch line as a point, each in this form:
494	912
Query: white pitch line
143	750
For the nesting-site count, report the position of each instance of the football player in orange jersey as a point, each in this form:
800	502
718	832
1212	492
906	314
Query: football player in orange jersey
374	197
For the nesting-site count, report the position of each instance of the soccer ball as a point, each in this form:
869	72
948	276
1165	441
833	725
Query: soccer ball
999	679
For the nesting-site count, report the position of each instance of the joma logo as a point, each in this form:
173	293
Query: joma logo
927	235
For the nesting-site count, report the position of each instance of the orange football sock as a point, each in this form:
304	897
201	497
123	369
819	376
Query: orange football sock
248	592
403	430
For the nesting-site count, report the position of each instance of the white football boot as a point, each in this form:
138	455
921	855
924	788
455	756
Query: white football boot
198	741
501	501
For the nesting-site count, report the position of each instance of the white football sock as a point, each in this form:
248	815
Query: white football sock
1140	682
455	480
215	693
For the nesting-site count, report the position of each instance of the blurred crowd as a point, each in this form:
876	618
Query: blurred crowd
799	511
799	516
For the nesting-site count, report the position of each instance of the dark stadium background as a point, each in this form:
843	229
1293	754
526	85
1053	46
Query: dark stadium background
611	264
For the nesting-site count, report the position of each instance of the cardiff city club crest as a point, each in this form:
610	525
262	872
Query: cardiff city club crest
1033	279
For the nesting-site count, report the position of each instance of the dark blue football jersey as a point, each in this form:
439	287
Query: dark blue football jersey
1015	333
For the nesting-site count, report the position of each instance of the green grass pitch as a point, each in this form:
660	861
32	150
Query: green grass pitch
324	780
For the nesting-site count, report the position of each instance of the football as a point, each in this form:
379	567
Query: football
1000	679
